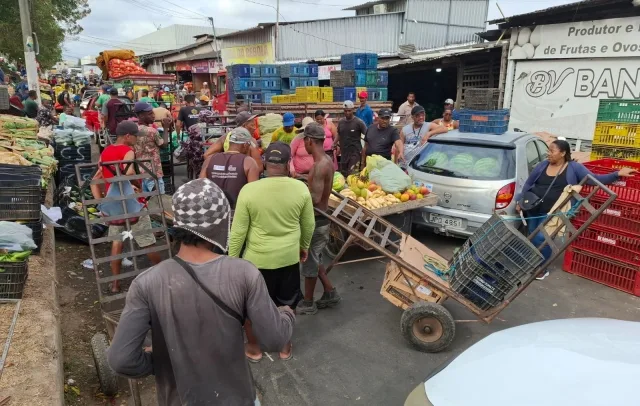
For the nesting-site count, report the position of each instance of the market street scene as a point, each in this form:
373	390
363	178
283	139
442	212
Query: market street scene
319	202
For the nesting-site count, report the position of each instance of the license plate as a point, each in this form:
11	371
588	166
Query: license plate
445	221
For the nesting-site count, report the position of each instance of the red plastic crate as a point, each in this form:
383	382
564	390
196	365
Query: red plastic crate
614	274
627	189
615	246
618	217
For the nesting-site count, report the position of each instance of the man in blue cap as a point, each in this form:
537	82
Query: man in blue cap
149	142
285	133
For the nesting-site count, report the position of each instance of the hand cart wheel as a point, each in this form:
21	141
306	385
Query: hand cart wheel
429	327
108	379
337	238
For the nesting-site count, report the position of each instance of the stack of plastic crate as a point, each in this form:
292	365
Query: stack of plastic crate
484	121
309	94
68	156
608	252
363	69
298	75
617	133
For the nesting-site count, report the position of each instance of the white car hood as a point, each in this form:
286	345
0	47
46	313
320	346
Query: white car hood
581	362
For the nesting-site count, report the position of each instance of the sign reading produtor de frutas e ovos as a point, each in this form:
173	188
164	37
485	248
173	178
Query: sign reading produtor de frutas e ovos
612	38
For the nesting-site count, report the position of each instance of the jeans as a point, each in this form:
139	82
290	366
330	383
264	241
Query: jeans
532	224
148	185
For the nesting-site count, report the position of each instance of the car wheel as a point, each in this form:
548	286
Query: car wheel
429	327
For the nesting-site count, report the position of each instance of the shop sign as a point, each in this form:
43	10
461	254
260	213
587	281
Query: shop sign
215	66
170	67
562	97
183	66
324	72
257	53
612	38
200	67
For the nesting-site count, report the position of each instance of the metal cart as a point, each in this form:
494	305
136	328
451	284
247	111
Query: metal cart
412	284
112	305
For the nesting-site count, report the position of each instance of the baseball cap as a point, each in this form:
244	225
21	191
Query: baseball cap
113	91
277	153
240	135
202	208
315	131
288	119
363	95
385	113
306	121
139	107
204	98
417	110
348	104
448	101
127	128
243	117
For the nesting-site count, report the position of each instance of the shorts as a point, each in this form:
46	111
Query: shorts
350	162
316	248
283	285
143	240
149	184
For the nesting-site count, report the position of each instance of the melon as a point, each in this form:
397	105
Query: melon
462	163
486	168
437	159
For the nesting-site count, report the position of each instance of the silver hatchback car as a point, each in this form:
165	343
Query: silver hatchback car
474	175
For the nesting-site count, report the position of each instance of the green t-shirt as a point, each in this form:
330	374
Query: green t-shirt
150	101
31	108
102	99
274	216
282	136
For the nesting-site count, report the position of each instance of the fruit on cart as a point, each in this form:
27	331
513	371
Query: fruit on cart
338	181
424	191
419	196
404	197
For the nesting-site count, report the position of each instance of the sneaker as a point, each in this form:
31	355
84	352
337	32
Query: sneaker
544	275
305	307
329	299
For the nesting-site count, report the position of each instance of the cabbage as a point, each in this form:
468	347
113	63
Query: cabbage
338	182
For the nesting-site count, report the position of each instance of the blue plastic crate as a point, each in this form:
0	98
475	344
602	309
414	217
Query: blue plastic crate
303	70
254	71
268	71
244	84
371	61
266	96
378	93
361	78
270	83
253	97
240	71
341	94
383	78
353	61
292	82
313	70
291	70
484	121
307	82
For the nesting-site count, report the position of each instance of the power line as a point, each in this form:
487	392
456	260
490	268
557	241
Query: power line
320	4
162	10
186	9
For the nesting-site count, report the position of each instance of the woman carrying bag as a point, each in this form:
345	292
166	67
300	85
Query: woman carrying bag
546	183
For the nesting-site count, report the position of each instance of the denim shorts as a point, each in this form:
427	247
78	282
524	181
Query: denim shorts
149	184
319	242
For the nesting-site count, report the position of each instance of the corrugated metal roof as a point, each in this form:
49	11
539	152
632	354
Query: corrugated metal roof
438	54
369	4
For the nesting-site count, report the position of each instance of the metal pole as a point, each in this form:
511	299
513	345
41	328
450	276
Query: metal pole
275	45
29	48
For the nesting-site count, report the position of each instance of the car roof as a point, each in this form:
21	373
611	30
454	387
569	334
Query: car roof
510	138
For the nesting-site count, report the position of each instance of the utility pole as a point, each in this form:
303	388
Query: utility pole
275	45
29	48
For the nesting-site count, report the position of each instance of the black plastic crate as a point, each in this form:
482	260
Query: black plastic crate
20	203
13	276
342	78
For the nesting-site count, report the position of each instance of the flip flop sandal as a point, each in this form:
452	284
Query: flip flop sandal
290	355
253	360
110	285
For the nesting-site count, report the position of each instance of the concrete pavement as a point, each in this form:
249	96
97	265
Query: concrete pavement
355	353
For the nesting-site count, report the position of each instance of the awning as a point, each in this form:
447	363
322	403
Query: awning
421	57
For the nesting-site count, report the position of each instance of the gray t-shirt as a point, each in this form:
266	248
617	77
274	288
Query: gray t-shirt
379	141
412	138
198	349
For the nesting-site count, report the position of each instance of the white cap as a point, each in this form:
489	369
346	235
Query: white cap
348	104
205	83
448	101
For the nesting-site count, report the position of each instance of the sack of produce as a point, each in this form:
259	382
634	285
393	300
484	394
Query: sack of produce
75	123
376	162
81	137
391	178
16	237
267	124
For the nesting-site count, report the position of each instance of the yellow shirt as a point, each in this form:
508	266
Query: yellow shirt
282	136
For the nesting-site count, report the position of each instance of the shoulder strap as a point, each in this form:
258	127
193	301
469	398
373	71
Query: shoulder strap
554	180
217	301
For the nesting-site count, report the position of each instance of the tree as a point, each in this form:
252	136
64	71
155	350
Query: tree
51	20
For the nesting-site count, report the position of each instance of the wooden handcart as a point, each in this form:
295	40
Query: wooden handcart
111	305
420	291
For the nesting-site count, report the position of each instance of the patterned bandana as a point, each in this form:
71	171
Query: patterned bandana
201	207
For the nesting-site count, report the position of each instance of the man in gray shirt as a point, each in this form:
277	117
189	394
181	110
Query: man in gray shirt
194	305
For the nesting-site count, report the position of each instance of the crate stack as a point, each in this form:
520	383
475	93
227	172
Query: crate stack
608	252
273	83
359	73
617	133
484	121
167	170
71	147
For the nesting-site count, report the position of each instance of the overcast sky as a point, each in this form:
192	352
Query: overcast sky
113	21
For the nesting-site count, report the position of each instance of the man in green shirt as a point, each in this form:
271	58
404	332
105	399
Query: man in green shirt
31	105
145	98
274	219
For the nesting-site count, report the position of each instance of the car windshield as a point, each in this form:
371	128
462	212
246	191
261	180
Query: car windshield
466	161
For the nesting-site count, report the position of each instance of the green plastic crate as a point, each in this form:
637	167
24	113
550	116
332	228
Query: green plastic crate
371	78
619	111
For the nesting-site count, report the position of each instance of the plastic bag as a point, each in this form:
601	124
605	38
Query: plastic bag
73	122
391	178
376	162
16	237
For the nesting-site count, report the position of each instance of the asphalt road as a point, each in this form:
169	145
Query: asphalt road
355	354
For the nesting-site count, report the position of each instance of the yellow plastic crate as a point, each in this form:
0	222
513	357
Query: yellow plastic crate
275	99
617	134
326	94
309	94
604	151
360	89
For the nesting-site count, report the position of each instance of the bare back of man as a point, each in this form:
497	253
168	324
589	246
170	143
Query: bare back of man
321	181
